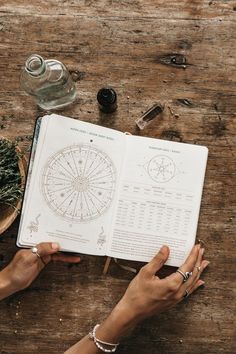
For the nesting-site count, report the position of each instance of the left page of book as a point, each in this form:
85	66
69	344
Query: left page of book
71	189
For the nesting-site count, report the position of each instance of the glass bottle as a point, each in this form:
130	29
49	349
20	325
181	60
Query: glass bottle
48	81
107	99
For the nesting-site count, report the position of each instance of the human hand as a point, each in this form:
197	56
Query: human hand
147	294
26	266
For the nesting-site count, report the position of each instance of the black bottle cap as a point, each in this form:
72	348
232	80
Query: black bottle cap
107	99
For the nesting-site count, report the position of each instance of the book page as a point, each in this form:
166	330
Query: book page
37	143
159	199
72	192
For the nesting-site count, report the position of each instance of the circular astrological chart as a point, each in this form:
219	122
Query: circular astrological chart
78	183
161	168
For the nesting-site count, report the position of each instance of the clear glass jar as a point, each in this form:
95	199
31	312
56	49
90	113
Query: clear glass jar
48	81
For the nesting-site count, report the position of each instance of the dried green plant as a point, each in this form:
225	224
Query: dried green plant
10	179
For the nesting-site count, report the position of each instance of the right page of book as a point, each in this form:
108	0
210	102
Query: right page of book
159	199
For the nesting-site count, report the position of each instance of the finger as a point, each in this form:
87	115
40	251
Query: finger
191	259
187	266
65	258
44	252
196	286
189	286
196	272
203	266
200	256
158	260
47	248
189	292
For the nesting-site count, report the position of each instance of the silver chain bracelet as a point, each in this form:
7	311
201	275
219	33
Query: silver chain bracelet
100	344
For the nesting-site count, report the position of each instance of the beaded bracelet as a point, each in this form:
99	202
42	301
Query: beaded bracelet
100	344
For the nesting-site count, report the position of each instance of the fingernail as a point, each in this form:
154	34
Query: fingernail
202	251
201	283
164	249
201	242
55	246
206	264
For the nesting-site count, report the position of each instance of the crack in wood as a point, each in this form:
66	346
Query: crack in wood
218	128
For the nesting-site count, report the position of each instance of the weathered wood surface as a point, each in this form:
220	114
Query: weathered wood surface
129	45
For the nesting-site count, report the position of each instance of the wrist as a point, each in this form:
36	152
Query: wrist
120	321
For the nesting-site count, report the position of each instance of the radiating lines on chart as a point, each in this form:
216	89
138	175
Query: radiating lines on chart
161	168
78	183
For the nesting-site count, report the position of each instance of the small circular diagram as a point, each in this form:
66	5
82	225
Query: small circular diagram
78	183
161	168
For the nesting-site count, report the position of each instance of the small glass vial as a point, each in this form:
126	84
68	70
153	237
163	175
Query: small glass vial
48	81
107	99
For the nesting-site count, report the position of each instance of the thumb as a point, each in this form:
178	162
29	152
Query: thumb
47	248
158	260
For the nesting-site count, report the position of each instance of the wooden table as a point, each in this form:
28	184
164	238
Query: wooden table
180	53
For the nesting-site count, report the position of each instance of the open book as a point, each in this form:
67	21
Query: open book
98	191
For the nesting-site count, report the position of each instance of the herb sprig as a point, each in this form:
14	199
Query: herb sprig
10	179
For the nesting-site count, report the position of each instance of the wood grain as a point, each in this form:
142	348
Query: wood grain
179	53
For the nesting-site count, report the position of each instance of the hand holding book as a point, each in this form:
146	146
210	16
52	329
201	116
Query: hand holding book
26	266
147	295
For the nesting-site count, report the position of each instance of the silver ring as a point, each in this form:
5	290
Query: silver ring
185	275
198	268
186	294
35	251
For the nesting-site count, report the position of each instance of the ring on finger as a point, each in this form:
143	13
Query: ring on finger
35	251
186	294
185	275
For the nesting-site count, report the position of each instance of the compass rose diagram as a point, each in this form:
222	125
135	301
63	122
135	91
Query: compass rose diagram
161	168
78	183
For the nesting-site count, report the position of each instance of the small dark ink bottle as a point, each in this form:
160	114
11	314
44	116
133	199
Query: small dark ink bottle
107	99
